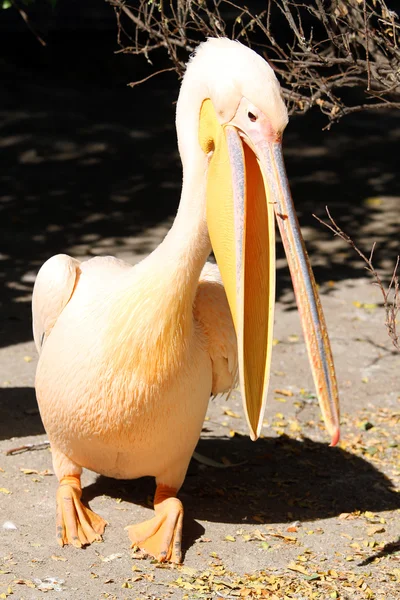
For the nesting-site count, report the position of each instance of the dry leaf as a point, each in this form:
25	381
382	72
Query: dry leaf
44	473
288	393
298	568
374	530
286	538
230	413
26	582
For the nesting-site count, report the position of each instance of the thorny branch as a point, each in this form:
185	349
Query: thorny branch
322	50
391	295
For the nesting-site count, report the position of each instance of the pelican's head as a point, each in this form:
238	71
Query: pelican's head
241	118
236	75
237	81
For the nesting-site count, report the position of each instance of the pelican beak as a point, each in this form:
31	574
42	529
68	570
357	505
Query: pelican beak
246	186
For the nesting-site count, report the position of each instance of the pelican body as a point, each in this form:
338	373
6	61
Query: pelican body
129	355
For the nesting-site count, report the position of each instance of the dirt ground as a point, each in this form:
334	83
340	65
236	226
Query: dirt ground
90	167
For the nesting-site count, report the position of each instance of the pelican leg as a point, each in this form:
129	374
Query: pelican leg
75	523
161	536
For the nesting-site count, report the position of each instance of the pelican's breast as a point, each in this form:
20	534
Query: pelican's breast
120	383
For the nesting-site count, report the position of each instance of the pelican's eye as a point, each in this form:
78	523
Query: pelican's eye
252	116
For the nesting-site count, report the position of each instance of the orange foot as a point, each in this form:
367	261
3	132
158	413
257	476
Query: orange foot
75	524
161	536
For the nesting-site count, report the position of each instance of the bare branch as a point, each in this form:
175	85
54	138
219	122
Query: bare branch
135	83
367	46
321	50
391	306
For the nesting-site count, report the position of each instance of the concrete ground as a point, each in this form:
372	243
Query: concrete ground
90	167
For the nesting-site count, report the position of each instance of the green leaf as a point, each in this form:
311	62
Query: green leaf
312	577
372	450
265	546
6	4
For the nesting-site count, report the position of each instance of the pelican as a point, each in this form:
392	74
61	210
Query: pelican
129	355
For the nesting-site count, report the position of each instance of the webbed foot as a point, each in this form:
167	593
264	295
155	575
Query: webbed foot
161	536
75	523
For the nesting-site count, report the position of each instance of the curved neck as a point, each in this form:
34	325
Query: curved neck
161	289
170	274
188	240
187	245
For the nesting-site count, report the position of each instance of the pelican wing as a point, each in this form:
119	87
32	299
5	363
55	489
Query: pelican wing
53	289
211	310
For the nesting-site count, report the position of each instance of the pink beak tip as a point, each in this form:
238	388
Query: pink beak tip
335	437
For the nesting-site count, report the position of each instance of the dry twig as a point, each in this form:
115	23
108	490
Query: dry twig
27	22
27	447
391	295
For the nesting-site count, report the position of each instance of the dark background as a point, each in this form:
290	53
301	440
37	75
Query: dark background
84	157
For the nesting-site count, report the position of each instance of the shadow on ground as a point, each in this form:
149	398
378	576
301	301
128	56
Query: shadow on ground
283	480
89	165
387	550
19	414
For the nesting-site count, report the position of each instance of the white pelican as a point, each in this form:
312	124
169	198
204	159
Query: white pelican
130	355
